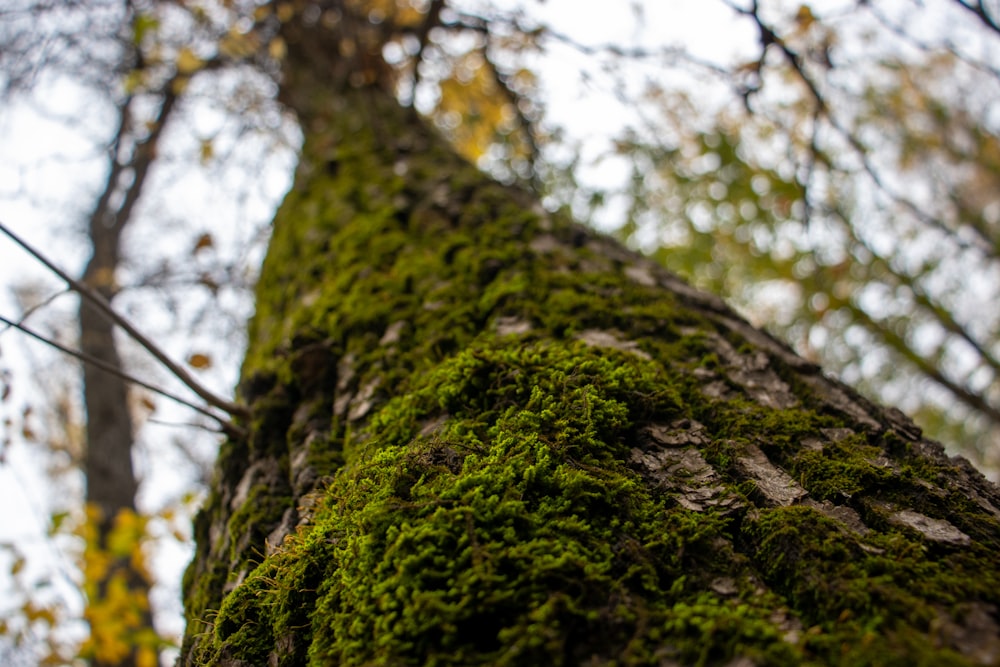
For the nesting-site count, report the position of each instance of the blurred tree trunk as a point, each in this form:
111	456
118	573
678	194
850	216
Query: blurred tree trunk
482	434
117	582
97	46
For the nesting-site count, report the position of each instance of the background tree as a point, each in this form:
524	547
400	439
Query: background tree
134	62
103	44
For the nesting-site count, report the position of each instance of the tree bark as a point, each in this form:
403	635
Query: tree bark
483	434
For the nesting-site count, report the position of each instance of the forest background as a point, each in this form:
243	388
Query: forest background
831	168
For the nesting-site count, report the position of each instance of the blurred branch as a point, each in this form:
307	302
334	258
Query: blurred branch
515	100
480	24
978	8
768	38
110	368
941	315
926	46
101	303
927	367
423	36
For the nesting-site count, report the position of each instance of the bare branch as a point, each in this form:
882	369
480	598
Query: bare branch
514	99
102	304
768	37
110	368
978	8
974	400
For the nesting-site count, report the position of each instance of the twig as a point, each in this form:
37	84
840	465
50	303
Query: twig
102	304
525	124
975	401
768	37
979	9
109	368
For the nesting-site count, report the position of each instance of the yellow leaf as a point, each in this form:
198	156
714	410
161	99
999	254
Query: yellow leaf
57	520
102	277
285	12
126	536
188	62
277	48
204	241
35	612
804	17
134	80
145	657
199	360
143	24
206	151
235	44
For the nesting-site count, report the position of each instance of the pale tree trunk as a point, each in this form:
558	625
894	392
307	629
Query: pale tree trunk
482	434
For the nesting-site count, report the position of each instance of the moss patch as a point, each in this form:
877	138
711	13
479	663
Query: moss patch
514	534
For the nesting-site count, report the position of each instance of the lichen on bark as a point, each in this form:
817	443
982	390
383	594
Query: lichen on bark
483	434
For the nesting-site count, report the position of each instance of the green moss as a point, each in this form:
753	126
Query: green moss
532	543
841	469
884	588
515	534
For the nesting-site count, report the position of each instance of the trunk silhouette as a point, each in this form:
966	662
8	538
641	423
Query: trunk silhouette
482	434
118	598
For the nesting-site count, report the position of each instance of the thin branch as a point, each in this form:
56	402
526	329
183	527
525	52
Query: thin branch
928	47
979	9
102	304
768	37
483	25
110	368
117	167
141	161
941	314
527	127
31	310
963	394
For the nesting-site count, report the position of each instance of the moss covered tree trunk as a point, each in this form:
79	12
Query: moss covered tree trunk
483	435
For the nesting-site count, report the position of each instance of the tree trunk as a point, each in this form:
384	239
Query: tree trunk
484	435
116	582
